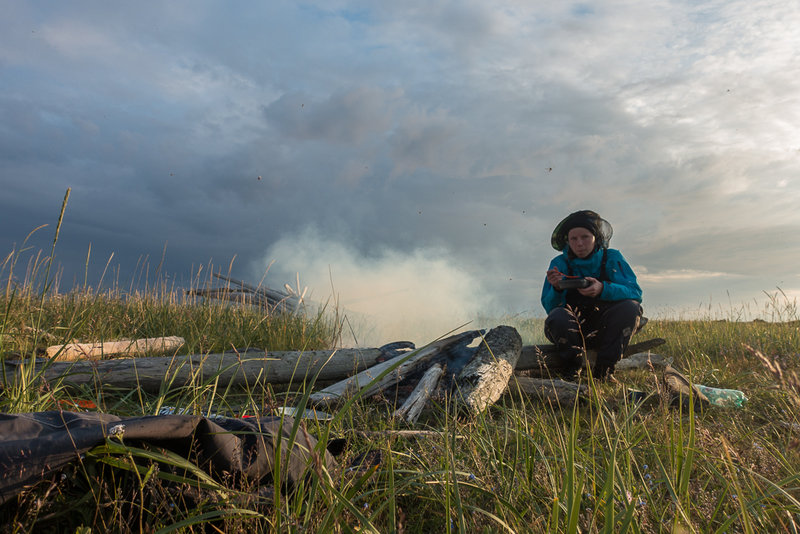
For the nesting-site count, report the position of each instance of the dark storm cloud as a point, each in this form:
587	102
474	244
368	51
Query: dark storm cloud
458	132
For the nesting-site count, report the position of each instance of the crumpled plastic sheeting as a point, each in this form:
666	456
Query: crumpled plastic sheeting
33	445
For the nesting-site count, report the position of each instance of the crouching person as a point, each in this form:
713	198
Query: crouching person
590	294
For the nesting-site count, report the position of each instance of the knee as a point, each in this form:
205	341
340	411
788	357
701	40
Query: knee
628	311
560	318
560	315
559	324
623	317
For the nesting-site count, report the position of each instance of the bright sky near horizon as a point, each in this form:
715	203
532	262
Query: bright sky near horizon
413	157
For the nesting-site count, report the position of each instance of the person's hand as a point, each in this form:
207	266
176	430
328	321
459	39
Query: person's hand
554	277
593	290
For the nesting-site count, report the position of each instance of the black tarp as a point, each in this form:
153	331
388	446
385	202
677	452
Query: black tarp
34	445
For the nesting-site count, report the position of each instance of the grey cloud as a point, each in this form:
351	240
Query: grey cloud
345	117
737	251
455	28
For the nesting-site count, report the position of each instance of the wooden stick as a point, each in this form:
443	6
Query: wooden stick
391	371
412	407
126	347
404	434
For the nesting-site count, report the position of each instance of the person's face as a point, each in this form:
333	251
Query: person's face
581	242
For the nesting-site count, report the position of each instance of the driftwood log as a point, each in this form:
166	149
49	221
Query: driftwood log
643	360
237	370
388	373
543	360
485	377
554	391
124	347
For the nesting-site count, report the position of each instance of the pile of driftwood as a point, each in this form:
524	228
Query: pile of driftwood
272	300
476	367
476	377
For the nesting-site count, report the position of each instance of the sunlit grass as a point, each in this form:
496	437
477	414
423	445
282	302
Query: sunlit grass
607	466
522	466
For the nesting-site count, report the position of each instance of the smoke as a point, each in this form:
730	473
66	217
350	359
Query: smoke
386	295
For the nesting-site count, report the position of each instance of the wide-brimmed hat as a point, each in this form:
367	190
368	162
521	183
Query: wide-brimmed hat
599	227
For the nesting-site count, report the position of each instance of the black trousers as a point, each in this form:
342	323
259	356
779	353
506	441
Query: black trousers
604	326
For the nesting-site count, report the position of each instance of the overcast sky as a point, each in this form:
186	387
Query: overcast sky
412	156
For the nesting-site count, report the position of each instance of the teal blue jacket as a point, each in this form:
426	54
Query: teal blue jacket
620	285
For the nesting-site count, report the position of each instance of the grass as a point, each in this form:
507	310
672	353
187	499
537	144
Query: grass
522	466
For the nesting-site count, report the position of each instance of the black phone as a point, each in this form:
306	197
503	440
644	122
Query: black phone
574	283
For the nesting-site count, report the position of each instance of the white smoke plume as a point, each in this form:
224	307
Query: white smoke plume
386	296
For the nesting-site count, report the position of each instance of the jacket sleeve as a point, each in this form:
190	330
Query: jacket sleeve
551	298
621	284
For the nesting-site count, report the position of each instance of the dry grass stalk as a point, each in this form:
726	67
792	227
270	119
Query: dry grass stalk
788	381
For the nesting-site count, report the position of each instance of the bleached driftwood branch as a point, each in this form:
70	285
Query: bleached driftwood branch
643	360
412	407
